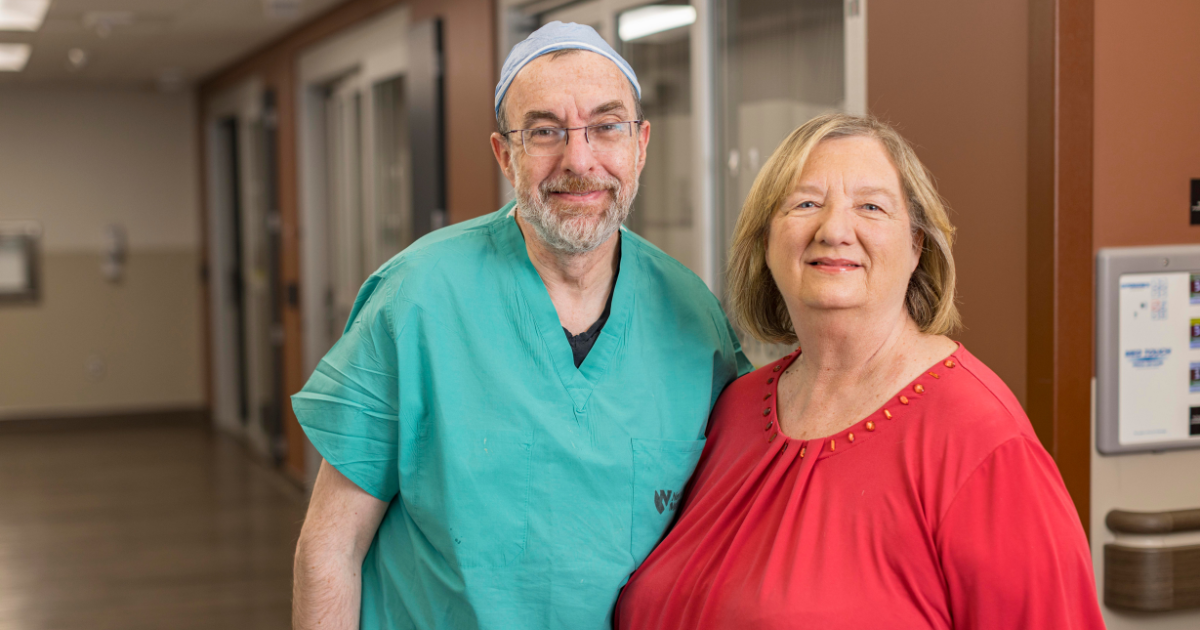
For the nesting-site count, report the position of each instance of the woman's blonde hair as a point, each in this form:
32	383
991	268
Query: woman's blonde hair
755	301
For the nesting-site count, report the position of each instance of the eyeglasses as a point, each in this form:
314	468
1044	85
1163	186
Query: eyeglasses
546	141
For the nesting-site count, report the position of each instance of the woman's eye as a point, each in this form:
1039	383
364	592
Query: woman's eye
871	206
807	204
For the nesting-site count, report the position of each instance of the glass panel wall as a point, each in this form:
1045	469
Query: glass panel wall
779	64
393	199
665	210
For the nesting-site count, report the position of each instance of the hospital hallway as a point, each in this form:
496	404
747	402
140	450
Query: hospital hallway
193	194
141	523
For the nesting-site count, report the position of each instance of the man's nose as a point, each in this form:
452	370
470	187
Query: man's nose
577	153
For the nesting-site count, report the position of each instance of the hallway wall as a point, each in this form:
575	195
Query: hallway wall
953	79
77	160
1147	148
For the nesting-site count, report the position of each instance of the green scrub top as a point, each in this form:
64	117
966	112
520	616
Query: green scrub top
522	490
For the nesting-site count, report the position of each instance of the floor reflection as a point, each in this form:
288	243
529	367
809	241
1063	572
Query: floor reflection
150	527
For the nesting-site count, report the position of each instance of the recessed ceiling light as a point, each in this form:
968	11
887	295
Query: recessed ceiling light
22	15
654	18
13	57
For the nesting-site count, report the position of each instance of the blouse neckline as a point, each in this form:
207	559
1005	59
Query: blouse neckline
897	408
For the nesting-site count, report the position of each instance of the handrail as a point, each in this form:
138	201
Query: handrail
1167	522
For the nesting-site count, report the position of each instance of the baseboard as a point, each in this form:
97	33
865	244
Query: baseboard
106	419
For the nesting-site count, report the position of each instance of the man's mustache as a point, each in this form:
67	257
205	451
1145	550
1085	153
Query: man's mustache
575	184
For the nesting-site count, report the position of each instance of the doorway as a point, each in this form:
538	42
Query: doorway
243	268
371	176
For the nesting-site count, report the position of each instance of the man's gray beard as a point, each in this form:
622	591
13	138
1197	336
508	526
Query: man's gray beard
574	234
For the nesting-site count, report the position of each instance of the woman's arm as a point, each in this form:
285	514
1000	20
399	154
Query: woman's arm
1012	549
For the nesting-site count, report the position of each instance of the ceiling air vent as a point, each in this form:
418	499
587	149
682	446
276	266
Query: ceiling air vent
282	9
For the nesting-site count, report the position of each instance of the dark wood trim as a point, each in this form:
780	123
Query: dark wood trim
1151	579
106	421
1060	253
1166	522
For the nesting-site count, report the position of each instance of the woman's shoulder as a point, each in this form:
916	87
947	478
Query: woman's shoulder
969	413
753	391
972	397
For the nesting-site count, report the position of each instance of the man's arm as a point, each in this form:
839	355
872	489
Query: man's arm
337	532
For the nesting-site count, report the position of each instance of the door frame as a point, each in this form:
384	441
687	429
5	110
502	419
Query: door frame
244	105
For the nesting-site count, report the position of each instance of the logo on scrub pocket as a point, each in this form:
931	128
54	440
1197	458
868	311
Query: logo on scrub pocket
665	500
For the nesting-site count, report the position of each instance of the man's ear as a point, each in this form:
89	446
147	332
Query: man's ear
503	150
643	141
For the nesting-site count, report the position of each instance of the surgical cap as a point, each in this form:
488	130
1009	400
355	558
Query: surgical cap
558	36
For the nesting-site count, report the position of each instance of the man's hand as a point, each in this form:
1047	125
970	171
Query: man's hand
341	522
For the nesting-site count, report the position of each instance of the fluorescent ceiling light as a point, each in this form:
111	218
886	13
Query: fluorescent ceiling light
13	57
22	15
654	18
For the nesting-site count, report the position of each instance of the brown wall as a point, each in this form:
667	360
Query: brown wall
469	54
1147	122
952	76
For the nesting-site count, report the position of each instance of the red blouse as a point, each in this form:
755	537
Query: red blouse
939	510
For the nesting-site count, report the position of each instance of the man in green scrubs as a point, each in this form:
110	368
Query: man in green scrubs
517	400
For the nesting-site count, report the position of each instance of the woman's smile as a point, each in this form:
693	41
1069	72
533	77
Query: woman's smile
834	265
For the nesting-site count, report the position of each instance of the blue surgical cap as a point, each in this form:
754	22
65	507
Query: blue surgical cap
558	36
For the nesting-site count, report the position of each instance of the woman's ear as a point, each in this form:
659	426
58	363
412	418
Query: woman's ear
918	247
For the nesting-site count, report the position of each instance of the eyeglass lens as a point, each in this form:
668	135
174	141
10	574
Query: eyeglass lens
552	140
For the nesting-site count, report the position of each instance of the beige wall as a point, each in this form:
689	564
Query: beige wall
1147	148
77	160
953	78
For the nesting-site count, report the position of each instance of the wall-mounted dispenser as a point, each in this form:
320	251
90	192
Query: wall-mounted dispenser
116	250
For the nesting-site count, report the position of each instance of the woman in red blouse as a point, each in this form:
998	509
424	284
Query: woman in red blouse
884	477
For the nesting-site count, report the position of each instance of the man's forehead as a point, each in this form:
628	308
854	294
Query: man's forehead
581	74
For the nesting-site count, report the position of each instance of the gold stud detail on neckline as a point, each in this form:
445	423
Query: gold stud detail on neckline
770	380
767	397
919	388
766	412
949	363
802	449
870	425
777	368
934	375
832	446
769	425
904	400
773	436
784	449
850	437
887	414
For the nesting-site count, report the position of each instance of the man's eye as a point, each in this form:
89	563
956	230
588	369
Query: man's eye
543	132
609	128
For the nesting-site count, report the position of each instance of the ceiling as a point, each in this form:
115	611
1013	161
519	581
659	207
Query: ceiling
170	43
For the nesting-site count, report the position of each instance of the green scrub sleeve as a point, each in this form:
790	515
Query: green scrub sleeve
350	406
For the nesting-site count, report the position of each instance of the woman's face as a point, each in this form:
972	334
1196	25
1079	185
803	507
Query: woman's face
843	239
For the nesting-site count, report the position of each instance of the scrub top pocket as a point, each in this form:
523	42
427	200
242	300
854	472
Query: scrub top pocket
487	500
661	468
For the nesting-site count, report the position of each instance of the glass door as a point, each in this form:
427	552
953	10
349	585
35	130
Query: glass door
658	41
369	174
779	64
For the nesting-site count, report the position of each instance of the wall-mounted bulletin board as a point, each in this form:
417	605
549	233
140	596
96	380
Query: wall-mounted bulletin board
1147	348
20	278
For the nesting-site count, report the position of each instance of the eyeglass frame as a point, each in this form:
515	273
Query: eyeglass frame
567	134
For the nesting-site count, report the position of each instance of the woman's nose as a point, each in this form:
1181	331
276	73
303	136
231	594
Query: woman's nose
837	226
